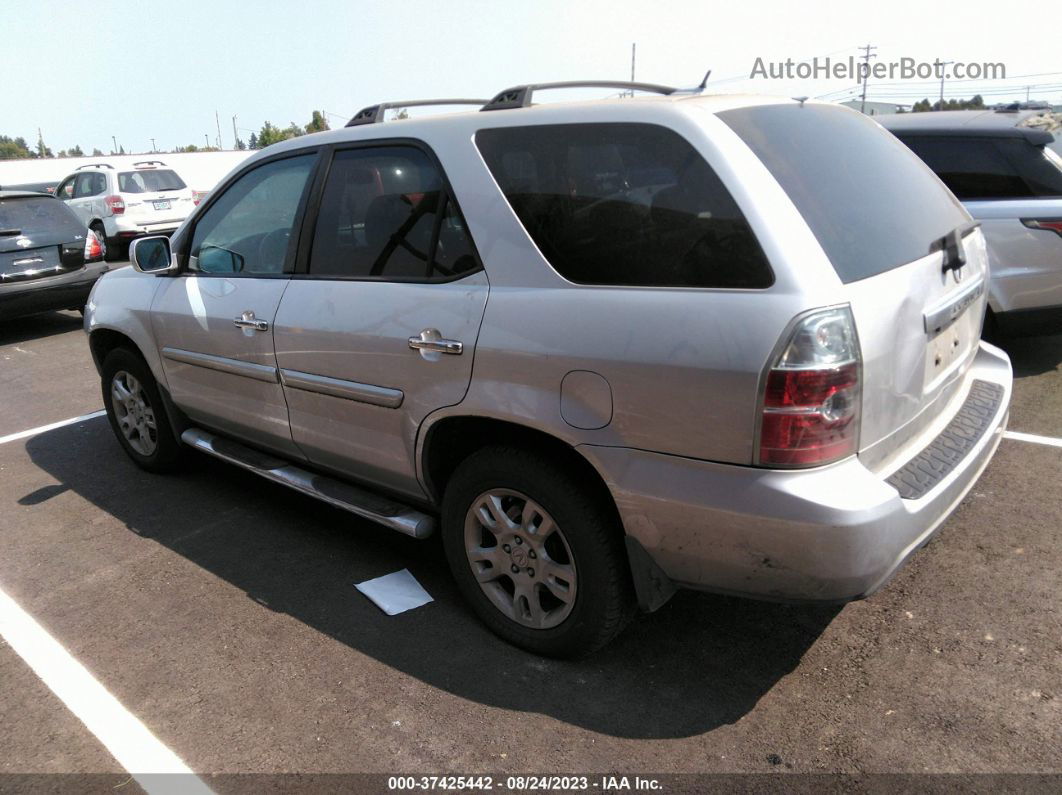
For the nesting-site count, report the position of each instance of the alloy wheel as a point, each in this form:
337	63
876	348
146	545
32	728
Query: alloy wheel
134	413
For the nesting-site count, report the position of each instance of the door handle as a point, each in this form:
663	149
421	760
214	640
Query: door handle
247	320
431	341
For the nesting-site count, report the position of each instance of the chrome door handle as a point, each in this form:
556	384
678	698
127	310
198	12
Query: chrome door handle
247	320
431	341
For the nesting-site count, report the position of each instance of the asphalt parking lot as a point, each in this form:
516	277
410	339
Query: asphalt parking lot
222	613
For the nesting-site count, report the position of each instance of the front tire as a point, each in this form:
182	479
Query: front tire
537	556
136	412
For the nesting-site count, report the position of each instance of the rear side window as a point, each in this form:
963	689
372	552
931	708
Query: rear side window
871	205
385	213
624	204
38	215
989	168
149	180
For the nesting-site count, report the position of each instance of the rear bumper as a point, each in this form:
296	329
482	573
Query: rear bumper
127	227
65	291
831	534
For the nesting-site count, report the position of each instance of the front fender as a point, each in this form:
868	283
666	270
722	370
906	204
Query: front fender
120	302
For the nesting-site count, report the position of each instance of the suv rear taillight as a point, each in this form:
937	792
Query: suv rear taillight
115	204
1050	224
812	394
93	249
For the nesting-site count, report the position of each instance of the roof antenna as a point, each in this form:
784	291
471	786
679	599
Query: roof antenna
801	100
705	81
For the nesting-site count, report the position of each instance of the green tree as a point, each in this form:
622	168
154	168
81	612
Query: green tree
13	148
269	134
240	145
75	151
96	152
318	123
253	142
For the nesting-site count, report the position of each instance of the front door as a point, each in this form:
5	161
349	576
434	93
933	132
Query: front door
214	322
381	329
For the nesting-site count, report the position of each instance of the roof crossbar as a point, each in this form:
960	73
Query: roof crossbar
374	114
520	96
95	165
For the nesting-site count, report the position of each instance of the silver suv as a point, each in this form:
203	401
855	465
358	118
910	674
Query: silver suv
605	348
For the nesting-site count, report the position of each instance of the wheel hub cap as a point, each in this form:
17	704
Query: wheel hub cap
132	410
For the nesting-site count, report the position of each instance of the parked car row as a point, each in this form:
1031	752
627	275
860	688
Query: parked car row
724	343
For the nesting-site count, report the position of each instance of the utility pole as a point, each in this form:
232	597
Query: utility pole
217	121
206	140
867	55
940	66
634	46
153	149
235	135
115	142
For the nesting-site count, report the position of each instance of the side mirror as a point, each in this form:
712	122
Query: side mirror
152	255
215	259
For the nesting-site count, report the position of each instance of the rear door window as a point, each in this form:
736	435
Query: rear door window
386	214
871	205
989	168
91	184
624	204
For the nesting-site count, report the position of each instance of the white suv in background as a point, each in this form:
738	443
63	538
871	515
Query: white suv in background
120	205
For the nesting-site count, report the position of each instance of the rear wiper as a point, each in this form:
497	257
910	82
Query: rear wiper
10	232
951	244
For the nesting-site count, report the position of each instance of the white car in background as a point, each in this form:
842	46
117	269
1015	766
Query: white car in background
122	204
1004	170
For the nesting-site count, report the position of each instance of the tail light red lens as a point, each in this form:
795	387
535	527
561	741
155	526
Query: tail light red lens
93	248
1051	224
812	394
115	204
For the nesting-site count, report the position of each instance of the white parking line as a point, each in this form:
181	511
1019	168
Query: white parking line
1032	437
129	741
14	437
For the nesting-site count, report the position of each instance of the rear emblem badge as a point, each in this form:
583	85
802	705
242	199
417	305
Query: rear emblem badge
24	242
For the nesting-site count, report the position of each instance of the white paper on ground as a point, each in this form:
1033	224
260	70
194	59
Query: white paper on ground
395	593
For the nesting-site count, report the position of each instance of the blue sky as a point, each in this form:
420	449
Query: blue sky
84	72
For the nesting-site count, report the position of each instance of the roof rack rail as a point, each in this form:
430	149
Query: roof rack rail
148	163
374	114
95	165
520	96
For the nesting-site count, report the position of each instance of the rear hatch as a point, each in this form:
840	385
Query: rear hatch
155	195
39	237
913	264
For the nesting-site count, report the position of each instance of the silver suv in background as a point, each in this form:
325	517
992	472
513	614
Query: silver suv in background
605	348
125	203
1010	179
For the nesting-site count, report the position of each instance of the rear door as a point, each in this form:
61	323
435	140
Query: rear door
90	189
882	219
213	323
381	327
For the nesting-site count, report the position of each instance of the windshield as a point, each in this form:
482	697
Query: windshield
147	181
871	203
32	214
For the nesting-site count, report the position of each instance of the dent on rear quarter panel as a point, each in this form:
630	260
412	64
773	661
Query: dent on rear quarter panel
121	301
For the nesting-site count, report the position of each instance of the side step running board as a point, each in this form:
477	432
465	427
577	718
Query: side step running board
342	495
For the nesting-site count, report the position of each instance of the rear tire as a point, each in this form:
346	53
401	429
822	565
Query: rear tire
537	556
137	414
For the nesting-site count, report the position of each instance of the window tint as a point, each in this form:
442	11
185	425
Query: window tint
149	180
91	184
989	168
624	204
29	214
248	228
871	205
385	213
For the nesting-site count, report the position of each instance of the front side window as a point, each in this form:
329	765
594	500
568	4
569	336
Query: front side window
624	204
66	189
385	213
249	228
990	168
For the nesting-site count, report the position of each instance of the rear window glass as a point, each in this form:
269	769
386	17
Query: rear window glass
871	205
37	215
624	204
147	181
990	168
